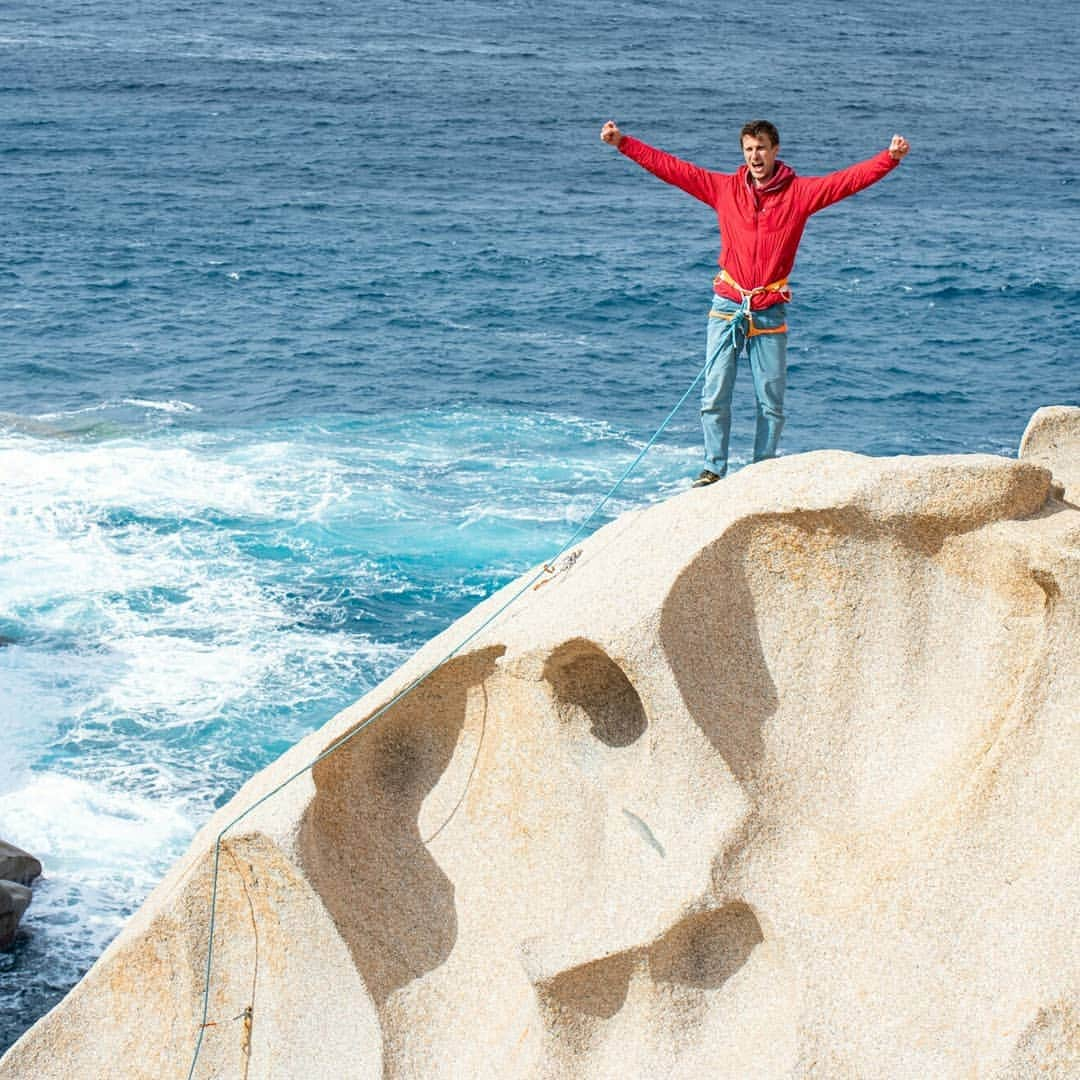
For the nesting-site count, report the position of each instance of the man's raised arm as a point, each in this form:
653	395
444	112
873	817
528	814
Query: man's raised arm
822	191
693	179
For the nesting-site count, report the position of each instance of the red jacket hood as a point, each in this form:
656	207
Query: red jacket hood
782	175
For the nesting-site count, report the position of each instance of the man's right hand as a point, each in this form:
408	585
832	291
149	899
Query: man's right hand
610	133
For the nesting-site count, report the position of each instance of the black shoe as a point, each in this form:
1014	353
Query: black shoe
705	479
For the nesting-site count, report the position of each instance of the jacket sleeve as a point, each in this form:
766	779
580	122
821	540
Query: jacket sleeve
817	192
693	179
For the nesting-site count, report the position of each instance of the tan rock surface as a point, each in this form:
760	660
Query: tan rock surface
775	779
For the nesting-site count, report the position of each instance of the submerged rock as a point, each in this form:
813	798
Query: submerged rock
777	778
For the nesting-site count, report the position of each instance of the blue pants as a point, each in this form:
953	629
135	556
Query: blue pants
767	354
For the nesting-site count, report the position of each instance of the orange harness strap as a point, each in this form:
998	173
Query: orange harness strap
776	286
751	329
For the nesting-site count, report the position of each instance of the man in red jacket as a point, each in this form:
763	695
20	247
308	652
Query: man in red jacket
762	210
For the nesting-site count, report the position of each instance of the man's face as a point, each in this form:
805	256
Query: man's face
760	156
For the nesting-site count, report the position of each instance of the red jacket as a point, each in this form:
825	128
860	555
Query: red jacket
760	228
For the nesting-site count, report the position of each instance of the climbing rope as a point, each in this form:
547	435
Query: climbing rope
737	317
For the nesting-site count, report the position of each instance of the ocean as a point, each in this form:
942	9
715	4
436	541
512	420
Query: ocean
321	321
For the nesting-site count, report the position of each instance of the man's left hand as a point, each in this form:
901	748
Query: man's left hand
899	147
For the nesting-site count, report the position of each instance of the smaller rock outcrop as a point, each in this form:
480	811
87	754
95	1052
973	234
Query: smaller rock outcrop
17	870
17	865
1052	439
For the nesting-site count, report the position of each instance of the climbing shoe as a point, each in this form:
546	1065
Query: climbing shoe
705	479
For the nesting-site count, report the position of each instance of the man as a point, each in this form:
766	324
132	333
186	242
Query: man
762	210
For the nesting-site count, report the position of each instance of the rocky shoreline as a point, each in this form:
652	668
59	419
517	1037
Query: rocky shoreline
17	870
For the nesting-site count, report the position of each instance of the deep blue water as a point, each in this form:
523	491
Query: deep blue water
319	321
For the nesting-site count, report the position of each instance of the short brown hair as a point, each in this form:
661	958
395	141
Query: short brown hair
757	128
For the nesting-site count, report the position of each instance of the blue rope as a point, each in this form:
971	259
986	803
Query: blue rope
546	568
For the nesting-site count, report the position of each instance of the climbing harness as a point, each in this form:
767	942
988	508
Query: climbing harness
747	295
549	567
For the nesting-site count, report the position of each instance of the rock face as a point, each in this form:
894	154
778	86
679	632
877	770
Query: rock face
775	779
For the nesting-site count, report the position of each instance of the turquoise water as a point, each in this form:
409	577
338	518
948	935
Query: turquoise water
320	323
